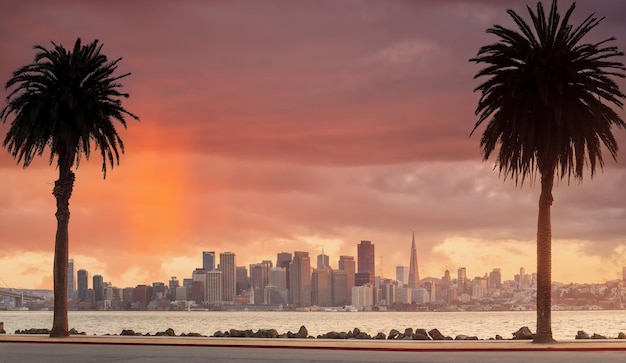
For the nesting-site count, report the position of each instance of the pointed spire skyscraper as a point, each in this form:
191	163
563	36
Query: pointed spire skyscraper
414	275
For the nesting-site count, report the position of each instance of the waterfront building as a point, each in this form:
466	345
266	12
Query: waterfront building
300	279
158	291
402	275
403	295
214	287
259	278
420	295
387	293
83	284
461	277
278	278
363	296
98	287
208	260
414	275
283	259
366	257
228	266
180	293
347	264
364	278
141	296
198	286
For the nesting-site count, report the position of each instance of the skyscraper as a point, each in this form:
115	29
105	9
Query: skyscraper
365	253
71	283
228	266
208	260
347	264
414	275
321	293
283	259
402	275
83	284
323	261
98	287
214	287
300	279
241	276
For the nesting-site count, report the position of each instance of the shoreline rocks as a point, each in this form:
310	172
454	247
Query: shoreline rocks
524	333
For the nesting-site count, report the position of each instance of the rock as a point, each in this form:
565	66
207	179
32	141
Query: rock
75	332
461	337
408	332
302	333
380	336
193	335
421	334
362	335
356	332
266	333
127	332
331	335
170	332
582	335
621	335
436	334
343	335
217	334
523	333
597	336
499	337
393	333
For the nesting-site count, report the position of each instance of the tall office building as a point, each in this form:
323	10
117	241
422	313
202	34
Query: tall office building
366	256
340	295
347	264
323	261
83	284
461	279
241	276
98	287
214	287
228	266
402	275
71	283
278	278
300	279
495	278
321	293
198	285
208	260
414	275
283	259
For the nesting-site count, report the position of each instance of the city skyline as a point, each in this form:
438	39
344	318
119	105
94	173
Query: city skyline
280	127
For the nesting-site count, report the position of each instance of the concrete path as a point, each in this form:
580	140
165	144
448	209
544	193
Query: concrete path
98	349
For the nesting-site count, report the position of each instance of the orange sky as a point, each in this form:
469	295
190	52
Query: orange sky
295	125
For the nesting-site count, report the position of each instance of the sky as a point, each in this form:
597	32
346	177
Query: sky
271	126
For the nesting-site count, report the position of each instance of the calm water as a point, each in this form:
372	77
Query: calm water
485	325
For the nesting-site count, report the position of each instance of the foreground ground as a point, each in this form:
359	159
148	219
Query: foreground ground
15	348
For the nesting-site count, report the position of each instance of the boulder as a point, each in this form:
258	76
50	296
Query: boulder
597	336
393	333
217	334
621	335
76	332
343	335
523	333
499	337
436	334
236	333
582	335
302	333
362	335
380	336
127	332
461	337
266	333
421	334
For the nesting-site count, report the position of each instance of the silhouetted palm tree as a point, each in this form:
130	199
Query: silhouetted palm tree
65	101
545	100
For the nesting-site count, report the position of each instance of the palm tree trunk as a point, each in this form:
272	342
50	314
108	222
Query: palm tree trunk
62	192
544	261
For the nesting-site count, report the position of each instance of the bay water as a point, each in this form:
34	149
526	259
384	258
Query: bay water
484	325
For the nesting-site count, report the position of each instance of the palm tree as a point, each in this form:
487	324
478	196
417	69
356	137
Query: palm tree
545	99
65	101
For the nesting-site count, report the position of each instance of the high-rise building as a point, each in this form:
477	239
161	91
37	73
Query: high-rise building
283	259
495	278
71	283
228	266
321	293
98	287
323	261
300	279
340	294
158	290
208	260
461	279
365	254
83	284
414	275
347	264
198	286
214	287
362	296
402	275
243	283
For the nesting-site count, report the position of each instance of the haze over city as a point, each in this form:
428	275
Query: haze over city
292	126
